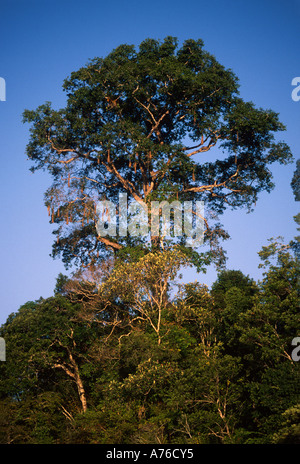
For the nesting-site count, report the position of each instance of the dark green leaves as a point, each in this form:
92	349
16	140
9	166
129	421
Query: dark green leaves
144	121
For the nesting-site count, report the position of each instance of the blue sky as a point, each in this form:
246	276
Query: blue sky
42	42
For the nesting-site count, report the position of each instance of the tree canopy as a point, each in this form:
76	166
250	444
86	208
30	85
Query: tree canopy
82	368
143	122
295	184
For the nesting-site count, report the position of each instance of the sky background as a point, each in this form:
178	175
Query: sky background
42	42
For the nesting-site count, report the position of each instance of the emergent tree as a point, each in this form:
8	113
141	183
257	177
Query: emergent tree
142	122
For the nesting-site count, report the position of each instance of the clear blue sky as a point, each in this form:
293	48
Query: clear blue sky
42	42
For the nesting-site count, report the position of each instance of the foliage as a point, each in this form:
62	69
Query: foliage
140	122
122	353
219	370
295	184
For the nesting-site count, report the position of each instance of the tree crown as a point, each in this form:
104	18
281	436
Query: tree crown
140	122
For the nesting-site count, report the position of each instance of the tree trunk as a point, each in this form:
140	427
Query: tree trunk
81	392
80	387
73	372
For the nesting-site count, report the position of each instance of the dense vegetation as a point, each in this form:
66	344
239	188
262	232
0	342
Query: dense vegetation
103	362
122	353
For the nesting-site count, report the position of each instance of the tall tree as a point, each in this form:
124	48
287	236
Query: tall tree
295	184
141	122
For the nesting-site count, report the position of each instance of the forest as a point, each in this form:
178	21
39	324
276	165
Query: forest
95	367
126	351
